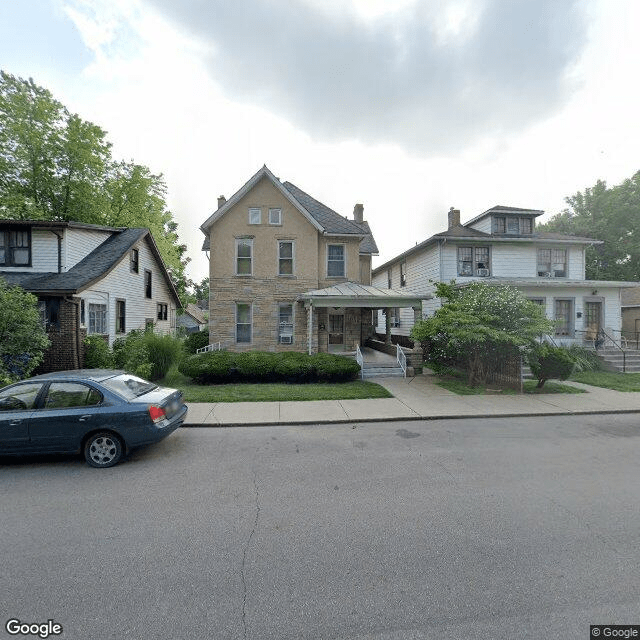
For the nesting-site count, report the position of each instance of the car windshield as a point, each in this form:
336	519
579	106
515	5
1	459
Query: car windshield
129	386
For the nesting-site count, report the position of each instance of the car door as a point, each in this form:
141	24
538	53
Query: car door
16	408
66	412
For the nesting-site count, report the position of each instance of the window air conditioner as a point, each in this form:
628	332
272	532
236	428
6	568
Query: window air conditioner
483	272
286	339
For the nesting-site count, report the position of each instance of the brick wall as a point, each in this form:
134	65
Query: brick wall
62	355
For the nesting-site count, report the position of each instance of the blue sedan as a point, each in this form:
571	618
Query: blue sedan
98	412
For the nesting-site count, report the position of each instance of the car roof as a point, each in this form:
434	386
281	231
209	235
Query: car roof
95	375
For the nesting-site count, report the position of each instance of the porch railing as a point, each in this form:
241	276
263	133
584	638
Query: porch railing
401	357
214	346
360	361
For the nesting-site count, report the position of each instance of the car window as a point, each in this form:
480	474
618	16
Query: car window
71	394
129	386
22	396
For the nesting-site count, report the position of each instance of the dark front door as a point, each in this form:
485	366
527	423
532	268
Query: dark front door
593	317
336	332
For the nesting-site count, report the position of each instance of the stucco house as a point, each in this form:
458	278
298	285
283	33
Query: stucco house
89	280
503	246
287	273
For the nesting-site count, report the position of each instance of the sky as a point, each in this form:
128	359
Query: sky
407	106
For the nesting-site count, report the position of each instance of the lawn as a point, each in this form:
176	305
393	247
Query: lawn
273	392
530	386
609	380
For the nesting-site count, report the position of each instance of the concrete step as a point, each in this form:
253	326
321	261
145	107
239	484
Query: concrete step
379	372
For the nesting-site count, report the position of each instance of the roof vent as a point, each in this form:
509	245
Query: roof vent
454	218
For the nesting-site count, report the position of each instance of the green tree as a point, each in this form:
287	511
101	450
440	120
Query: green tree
476	321
22	338
56	166
610	214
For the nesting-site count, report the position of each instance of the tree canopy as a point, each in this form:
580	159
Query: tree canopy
56	166
611	214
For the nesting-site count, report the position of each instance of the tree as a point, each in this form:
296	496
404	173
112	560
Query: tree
201	289
22	337
548	362
611	214
476	321
56	166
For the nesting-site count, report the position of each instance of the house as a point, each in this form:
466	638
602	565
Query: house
192	320
89	280
287	273
502	246
631	316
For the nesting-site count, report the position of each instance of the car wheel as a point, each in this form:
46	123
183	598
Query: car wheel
103	450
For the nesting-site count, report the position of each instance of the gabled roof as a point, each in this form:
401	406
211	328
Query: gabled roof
195	312
93	267
324	219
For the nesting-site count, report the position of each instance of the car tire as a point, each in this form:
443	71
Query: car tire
103	449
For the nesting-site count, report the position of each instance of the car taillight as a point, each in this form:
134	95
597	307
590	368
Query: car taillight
157	413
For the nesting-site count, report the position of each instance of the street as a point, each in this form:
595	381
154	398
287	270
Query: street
462	529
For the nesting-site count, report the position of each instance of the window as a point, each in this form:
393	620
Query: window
49	311
552	263
389	278
97	318
83	314
394	319
335	261
42	311
512	225
134	261
403	274
285	258
243	322
71	394
275	216
15	248
563	315
148	290
162	311
285	323
20	397
244	256
255	215
120	316
474	261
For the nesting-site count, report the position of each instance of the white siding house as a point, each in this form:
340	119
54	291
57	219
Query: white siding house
502	246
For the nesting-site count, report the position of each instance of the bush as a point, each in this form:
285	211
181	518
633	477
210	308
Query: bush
195	341
97	354
261	366
548	362
147	354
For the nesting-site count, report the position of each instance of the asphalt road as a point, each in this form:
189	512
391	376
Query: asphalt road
462	529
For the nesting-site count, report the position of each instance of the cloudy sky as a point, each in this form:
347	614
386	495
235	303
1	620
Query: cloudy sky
408	106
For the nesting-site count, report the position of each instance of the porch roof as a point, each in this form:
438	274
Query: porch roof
354	294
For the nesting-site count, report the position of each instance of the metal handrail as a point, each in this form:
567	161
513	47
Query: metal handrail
360	361
617	346
401	357
214	346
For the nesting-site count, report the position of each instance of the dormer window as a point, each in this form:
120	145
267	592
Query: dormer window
513	225
15	248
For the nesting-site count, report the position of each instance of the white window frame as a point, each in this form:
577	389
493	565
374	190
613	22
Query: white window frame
344	260
476	271
394	317
403	274
243	241
292	258
250	323
94	321
286	328
552	254
255	215
278	221
570	329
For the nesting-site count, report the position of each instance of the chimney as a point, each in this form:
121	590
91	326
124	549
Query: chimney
221	201
358	213
454	217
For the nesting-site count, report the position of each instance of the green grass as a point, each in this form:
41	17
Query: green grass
462	388
609	380
273	392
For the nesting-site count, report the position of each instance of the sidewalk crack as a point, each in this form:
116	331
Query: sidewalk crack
244	556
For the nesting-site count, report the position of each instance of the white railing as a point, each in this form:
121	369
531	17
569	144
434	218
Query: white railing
401	357
360	360
215	346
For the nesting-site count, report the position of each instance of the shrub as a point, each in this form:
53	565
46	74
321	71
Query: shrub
163	351
97	354
195	341
548	362
208	368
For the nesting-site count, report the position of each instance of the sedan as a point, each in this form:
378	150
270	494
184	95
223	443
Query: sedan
98	412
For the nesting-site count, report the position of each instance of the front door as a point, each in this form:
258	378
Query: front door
593	318
336	332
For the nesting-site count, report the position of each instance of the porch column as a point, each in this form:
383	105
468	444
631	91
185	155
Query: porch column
387	325
310	327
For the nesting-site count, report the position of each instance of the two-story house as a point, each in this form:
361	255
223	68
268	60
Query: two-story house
89	280
287	273
502	246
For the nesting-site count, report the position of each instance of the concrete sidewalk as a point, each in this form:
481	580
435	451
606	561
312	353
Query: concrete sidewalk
416	398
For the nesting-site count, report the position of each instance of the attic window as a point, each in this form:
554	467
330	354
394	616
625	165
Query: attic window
255	215
134	261
275	216
512	225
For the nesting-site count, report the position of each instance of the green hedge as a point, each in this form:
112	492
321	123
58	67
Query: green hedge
261	366
195	341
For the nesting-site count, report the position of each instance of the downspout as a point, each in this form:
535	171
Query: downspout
59	236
